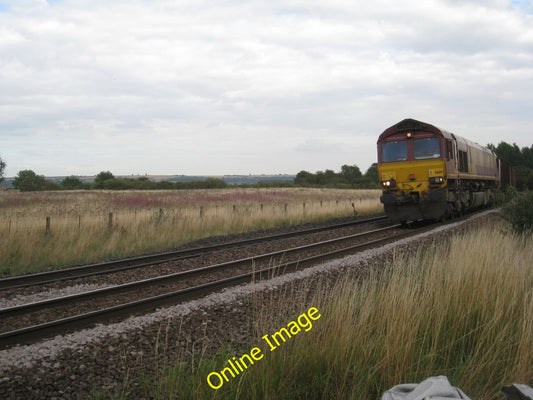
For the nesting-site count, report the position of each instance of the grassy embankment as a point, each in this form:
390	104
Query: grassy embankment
151	220
462	308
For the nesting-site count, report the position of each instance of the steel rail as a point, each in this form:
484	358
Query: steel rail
36	332
154	259
176	276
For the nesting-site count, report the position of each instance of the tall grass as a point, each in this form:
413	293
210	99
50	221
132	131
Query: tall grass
463	309
151	220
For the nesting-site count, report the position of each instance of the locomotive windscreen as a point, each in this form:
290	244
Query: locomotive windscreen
394	151
426	148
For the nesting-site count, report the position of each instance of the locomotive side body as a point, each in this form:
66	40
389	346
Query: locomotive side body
429	173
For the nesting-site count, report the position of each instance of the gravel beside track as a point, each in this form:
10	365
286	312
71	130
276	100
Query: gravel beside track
98	360
50	293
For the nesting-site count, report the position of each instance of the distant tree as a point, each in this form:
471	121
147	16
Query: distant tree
214	183
164	185
527	156
324	178
507	152
27	181
143	183
2	168
49	185
351	174
303	178
116	184
329	175
372	173
72	183
103	176
105	180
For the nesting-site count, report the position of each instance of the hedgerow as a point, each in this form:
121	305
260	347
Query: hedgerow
519	213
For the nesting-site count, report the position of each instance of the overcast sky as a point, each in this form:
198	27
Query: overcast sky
261	86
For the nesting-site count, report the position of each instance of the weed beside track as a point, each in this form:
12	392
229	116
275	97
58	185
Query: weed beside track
460	307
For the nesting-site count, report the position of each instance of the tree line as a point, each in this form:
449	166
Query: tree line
28	180
350	176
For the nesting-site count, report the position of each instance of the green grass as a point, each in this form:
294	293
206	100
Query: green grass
462	308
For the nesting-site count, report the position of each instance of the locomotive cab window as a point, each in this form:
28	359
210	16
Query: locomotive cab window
426	148
449	150
394	151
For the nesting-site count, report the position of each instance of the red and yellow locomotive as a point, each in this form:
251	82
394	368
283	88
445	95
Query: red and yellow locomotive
429	173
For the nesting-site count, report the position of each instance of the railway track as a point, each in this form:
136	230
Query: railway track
125	264
31	322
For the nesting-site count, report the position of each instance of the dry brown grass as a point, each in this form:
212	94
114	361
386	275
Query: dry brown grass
151	220
463	309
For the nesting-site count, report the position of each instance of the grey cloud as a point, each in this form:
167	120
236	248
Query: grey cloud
180	69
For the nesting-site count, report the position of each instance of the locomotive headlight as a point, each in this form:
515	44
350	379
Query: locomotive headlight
388	184
437	180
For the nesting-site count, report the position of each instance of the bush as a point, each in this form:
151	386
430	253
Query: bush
28	181
350	176
103	176
505	196
72	183
519	213
3	166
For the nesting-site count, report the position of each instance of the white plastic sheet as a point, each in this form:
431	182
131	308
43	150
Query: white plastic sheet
434	388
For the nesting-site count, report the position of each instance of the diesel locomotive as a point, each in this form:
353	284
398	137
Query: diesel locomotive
430	173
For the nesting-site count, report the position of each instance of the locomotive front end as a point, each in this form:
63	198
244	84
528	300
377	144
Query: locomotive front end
412	171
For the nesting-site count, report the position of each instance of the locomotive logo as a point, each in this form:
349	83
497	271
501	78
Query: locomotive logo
435	172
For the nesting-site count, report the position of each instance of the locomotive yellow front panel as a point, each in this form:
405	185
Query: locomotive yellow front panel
412	176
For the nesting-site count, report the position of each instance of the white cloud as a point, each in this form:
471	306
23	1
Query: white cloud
229	87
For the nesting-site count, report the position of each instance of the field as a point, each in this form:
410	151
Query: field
461	307
87	226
